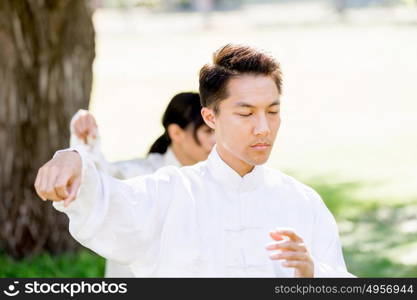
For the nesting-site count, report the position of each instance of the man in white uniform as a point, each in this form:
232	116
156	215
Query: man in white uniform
186	140
228	216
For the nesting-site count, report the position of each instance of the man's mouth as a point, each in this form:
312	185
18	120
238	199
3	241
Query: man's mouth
260	146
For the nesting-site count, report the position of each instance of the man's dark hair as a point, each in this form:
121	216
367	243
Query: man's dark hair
232	61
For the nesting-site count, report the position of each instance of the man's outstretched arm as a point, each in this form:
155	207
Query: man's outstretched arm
117	219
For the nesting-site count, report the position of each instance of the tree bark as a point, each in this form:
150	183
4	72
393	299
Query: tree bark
46	56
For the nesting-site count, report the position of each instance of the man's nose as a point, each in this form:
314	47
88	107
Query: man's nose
261	127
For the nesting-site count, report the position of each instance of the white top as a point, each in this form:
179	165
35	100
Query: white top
201	221
122	170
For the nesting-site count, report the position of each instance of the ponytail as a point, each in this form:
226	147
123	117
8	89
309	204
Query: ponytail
161	144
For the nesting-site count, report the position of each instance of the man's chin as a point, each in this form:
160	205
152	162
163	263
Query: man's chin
259	160
259	157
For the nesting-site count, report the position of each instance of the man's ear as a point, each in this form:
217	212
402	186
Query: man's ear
209	117
175	132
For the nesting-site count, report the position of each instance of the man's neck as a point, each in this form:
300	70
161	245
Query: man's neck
240	167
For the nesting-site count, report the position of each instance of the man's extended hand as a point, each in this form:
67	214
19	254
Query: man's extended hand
85	126
291	248
59	179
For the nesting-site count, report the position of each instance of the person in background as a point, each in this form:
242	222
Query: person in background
185	141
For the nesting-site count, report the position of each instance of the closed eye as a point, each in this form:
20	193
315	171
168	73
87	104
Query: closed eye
244	115
273	112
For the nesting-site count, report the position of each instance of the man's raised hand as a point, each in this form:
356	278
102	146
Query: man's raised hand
59	179
290	247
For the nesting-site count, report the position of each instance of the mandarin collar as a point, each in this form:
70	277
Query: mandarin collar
225	175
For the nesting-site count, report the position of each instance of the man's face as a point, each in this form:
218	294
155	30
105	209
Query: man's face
248	120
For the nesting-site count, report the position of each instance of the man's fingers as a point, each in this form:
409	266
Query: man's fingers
37	180
289	233
51	177
61	186
43	183
286	245
38	184
295	264
73	189
290	256
276	236
68	200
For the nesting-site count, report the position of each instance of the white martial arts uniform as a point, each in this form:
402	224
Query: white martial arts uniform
122	170
202	220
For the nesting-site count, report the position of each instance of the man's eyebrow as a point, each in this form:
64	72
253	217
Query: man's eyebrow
244	104
276	102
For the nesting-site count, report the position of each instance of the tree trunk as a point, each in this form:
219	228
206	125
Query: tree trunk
46	56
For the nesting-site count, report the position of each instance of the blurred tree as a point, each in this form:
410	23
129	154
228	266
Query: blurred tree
46	56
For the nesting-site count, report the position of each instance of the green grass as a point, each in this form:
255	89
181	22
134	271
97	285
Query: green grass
379	238
81	264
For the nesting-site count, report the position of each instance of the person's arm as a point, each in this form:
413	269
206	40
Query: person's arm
85	135
117	219
326	249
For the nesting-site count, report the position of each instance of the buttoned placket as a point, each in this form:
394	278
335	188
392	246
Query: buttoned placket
240	232
233	232
237	228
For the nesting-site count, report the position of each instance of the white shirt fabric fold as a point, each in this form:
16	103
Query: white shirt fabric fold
201	221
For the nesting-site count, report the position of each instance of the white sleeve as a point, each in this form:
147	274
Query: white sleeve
93	147
326	247
119	220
